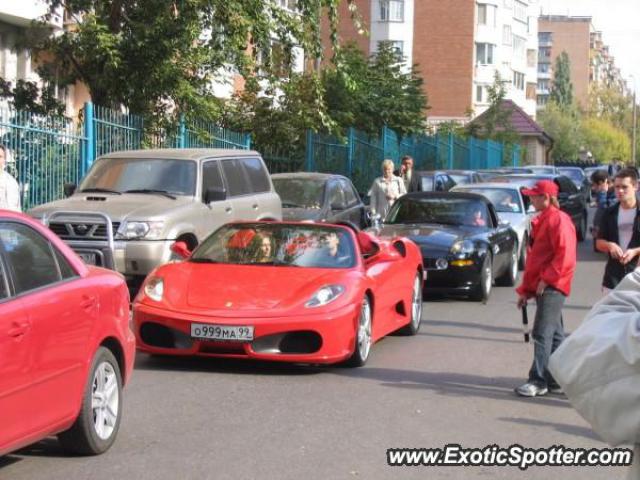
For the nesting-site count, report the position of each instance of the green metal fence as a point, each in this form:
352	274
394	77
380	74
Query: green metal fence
45	153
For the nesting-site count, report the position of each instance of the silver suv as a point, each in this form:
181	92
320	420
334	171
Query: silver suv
133	205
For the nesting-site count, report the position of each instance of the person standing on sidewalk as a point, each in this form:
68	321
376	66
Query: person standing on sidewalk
548	273
9	189
619	230
385	190
406	173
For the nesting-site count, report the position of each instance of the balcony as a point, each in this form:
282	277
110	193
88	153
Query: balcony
21	14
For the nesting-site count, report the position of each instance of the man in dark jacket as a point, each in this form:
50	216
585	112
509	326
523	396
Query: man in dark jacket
619	230
410	179
548	274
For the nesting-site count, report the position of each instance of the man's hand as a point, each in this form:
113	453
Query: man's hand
541	286
522	301
629	255
615	251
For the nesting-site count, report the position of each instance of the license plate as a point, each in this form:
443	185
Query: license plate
88	258
222	332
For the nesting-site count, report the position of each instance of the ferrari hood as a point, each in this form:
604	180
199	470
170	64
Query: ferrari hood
237	288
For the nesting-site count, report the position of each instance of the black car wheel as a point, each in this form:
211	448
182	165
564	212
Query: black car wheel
582	229
509	277
522	260
483	290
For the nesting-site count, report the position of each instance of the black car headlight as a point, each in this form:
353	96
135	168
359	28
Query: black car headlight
464	247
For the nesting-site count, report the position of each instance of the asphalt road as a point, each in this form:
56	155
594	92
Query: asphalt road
452	383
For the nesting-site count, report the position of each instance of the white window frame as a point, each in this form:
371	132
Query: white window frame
518	80
519	47
520	12
391	10
479	94
397	44
490	16
507	35
488	53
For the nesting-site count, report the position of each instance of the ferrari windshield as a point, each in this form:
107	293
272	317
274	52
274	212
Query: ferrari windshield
300	192
271	244
142	175
442	210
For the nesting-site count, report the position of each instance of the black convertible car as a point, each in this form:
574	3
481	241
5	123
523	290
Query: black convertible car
464	247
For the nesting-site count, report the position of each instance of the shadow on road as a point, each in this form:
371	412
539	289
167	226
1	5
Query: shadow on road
559	427
224	366
452	384
8	460
477	326
49	447
468	337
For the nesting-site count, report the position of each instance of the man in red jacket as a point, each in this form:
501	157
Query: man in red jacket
547	278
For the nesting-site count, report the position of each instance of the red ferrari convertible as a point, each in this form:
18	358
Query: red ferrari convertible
292	292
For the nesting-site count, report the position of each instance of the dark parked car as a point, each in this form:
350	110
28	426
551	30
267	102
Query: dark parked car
579	179
435	181
463	177
485	175
319	197
571	201
464	246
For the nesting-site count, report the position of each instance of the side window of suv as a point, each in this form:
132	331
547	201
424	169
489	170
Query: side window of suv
211	177
257	174
237	181
349	193
30	255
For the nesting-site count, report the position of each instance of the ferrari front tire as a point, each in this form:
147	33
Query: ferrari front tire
416	308
362	346
96	427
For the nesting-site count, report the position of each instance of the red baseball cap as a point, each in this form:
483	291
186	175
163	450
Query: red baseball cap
541	187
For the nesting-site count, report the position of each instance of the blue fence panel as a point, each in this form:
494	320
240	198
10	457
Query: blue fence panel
45	153
461	153
208	135
494	155
367	156
115	131
327	153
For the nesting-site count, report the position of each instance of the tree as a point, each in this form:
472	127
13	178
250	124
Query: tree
27	96
606	142
562	88
564	126
370	93
161	57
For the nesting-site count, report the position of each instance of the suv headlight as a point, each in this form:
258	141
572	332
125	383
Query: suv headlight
135	230
465	247
324	296
154	288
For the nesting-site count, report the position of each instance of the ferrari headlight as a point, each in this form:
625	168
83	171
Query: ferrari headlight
464	247
325	295
135	230
154	288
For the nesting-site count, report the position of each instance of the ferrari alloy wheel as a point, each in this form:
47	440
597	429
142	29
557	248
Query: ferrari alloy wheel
97	424
508	279
363	336
416	308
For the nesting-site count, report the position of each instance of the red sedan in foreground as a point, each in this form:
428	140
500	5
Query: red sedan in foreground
65	344
293	292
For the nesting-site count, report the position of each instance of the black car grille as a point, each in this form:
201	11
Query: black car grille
82	230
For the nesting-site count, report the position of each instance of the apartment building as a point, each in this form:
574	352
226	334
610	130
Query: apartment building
458	45
591	61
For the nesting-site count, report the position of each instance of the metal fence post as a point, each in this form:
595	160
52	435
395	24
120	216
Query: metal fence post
309	151
247	141
89	150
450	152
350	151
182	132
384	142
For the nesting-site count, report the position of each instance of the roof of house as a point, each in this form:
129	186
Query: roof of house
522	123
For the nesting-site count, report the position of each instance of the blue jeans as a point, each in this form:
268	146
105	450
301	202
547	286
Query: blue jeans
548	334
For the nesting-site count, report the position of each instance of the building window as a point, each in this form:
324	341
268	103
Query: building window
543	100
532	58
544	85
519	47
392	10
398	46
544	68
531	91
518	80
484	53
479	93
545	37
520	11
544	54
507	36
487	14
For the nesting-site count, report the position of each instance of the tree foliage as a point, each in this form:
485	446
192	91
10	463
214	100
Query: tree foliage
562	88
160	57
368	93
27	96
606	142
564	126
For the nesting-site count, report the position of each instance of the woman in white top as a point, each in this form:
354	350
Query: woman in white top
386	190
9	189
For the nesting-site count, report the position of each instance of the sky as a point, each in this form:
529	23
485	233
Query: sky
619	21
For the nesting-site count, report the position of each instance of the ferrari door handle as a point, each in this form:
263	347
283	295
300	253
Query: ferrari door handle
18	329
88	302
254	206
228	209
